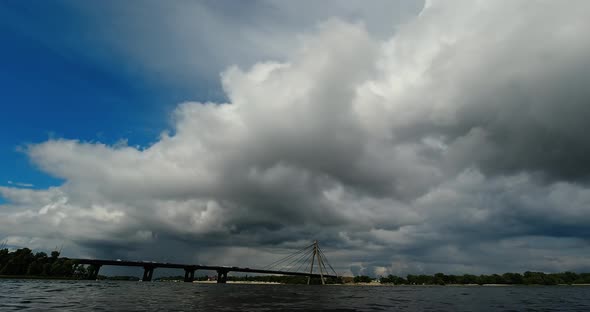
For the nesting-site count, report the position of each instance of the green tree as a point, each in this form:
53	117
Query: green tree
512	278
533	278
439	279
362	279
468	279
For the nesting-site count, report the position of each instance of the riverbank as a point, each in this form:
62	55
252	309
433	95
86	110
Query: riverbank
117	278
241	282
453	285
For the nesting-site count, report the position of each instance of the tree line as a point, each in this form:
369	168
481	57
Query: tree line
527	278
23	262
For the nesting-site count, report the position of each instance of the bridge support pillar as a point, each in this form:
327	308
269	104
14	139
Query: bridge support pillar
189	275
148	273
93	271
221	277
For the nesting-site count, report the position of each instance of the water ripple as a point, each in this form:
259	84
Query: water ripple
51	295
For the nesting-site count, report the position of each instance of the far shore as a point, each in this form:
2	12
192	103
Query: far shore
18	277
454	285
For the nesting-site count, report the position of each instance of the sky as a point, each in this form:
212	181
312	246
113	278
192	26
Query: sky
407	137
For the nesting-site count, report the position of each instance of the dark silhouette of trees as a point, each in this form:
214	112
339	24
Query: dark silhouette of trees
528	278
362	279
23	262
393	279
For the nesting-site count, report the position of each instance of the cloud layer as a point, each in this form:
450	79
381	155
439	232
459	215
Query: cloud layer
457	145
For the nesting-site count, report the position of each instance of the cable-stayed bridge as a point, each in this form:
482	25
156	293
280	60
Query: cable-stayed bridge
308	261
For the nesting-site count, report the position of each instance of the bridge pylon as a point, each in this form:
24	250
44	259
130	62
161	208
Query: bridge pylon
309	261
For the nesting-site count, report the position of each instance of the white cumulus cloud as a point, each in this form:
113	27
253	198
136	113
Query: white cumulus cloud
452	144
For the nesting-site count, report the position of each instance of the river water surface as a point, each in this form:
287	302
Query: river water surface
52	295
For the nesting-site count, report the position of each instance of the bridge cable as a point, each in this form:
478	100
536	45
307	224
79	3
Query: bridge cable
288	261
304	263
324	265
274	264
326	258
310	266
280	265
287	257
321	263
303	260
296	260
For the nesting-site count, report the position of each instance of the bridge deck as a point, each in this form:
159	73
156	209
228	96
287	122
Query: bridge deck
153	265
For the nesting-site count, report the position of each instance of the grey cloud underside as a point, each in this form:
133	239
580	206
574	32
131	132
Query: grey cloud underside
456	145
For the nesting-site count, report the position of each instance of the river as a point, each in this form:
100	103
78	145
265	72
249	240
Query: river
55	295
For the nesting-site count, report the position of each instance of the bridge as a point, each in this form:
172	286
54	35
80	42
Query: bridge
299	263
